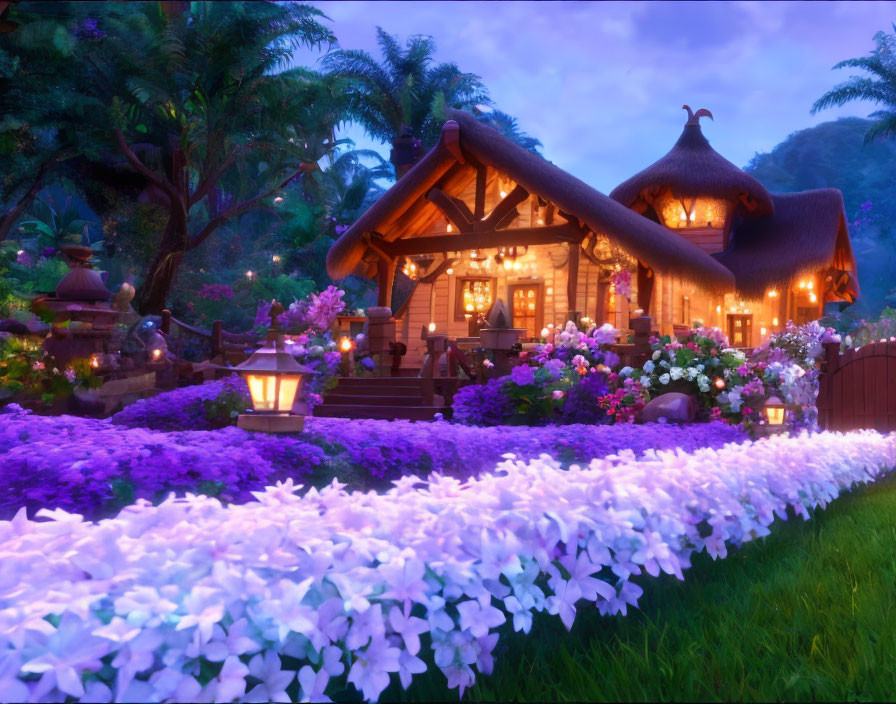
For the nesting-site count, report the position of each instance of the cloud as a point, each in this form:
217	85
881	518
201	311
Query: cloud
602	84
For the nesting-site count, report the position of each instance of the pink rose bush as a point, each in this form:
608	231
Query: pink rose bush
194	601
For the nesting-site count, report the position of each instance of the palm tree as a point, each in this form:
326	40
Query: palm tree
880	88
508	126
402	99
200	97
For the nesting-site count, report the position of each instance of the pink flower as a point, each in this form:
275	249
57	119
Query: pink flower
38	366
558	394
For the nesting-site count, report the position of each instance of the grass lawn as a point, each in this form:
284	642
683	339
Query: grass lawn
808	613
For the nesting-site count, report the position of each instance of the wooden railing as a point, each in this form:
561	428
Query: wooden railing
220	341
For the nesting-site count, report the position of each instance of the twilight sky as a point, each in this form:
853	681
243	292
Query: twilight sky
601	84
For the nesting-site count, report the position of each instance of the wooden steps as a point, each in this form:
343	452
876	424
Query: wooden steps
388	398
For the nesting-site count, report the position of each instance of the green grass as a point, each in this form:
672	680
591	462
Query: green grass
808	613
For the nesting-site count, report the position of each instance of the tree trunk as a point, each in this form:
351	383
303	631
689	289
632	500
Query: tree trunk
154	290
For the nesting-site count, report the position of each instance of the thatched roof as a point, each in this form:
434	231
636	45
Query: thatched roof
691	168
807	233
403	210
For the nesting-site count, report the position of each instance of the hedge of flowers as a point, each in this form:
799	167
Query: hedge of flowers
295	598
94	467
391	450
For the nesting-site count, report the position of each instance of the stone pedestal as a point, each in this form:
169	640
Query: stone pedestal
271	422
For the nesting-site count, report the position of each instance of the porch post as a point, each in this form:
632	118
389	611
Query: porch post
572	282
385	277
645	287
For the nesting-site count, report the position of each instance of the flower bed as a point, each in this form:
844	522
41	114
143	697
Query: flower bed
94	467
392	449
294	596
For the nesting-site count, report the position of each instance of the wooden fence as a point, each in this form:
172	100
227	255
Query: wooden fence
857	389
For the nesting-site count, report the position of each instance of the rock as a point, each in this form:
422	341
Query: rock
674	407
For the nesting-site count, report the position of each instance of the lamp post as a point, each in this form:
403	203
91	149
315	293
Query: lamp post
774	409
274	378
346	349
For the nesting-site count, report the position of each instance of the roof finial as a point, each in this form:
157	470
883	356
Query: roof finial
694	118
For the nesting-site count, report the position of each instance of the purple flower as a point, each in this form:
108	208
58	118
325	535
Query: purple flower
523	375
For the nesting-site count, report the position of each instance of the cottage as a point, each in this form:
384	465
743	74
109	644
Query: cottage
692	238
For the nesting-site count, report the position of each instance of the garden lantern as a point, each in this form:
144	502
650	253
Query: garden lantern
720	383
273	377
346	347
774	411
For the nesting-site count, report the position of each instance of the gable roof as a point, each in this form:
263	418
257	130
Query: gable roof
807	232
692	167
403	209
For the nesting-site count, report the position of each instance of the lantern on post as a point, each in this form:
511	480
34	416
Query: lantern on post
774	413
346	350
274	378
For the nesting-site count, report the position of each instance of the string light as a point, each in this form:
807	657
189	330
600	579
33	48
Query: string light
278	200
250	274
448	228
772	294
449	271
275	258
432	327
774	321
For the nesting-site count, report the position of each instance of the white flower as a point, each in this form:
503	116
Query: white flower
676	373
649	366
626	371
656	355
664	379
274	679
645	381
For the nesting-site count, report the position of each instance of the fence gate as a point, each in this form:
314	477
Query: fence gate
857	389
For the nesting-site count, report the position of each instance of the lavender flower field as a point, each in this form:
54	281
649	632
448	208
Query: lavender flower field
129	608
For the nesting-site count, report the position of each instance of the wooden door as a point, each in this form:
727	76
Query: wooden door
527	308
740	330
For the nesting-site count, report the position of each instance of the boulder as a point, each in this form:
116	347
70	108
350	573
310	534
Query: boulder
674	407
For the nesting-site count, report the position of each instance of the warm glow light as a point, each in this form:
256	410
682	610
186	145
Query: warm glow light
774	321
545	332
449	271
20	252
812	298
449	228
95	361
762	331
517	266
772	294
275	258
278	200
540	221
271	392
809	285
802	284
432	327
508	264
718	309
503	194
249	274
774	411
156	353
720	383
345	344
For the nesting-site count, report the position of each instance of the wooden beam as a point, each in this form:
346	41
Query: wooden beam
385	277
455	209
572	282
645	287
504	208
483	240
446	264
481	177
